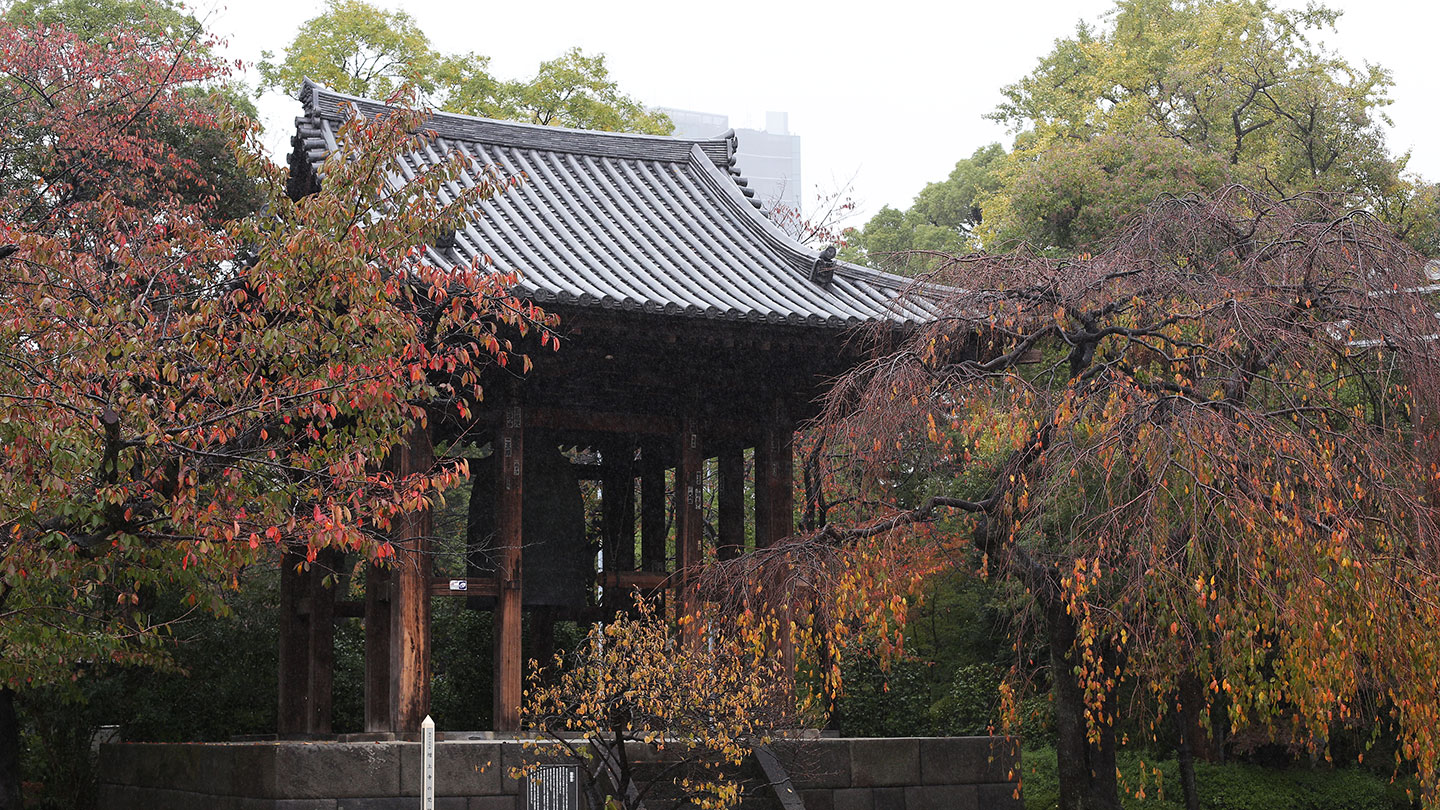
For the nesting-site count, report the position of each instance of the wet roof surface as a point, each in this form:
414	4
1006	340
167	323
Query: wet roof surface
635	222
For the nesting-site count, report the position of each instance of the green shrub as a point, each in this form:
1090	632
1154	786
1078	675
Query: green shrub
1231	786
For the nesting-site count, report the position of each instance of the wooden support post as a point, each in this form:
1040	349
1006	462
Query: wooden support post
652	508
410	596
509	454
294	676
775	509
378	705
732	503
618	503
774	484
689	498
322	642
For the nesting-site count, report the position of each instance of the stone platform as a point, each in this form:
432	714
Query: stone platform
911	773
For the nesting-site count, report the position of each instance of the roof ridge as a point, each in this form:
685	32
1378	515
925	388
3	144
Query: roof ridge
325	102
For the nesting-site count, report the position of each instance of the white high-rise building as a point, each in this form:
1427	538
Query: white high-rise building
769	158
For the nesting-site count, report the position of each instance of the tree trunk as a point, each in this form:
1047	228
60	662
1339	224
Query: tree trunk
1194	743
1187	765
9	752
1086	769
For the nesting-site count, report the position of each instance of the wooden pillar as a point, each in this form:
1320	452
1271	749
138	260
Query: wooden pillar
774	484
509	454
294	680
652	508
689	498
378	705
617	502
775	509
410	596
397	610
307	643
322	642
732	503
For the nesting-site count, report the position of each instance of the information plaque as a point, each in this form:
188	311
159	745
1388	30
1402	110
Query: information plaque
554	787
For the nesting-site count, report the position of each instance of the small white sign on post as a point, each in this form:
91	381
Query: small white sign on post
427	764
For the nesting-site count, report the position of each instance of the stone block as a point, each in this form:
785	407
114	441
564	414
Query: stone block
296	804
1001	796
820	799
812	764
889	798
337	770
116	765
854	799
512	756
942	797
462	768
397	803
876	762
969	760
253	769
494	803
118	797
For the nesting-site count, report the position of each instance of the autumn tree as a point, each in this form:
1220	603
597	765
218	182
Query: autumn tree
356	48
692	706
1204	456
182	395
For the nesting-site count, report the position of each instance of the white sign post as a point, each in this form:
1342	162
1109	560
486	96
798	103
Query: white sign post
427	764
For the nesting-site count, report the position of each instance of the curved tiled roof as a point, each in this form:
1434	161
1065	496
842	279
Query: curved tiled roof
638	222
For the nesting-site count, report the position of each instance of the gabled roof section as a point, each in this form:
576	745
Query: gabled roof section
636	222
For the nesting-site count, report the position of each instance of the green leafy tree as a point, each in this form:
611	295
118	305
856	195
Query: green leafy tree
575	90
356	48
1174	96
942	219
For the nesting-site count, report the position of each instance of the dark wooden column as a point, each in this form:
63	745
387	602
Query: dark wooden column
774	483
322	641
509	454
652	508
307	643
732	503
775	508
689	497
618	504
294	682
378	715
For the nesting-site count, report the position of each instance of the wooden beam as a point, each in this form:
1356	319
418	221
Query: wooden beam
732	504
471	586
690	497
601	422
644	580
410	595
509	456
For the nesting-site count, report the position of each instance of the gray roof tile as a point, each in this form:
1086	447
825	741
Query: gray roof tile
639	222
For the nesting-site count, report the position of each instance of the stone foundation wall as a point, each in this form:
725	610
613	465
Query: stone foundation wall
905	773
917	773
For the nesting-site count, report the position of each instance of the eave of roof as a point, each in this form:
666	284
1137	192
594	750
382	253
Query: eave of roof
637	222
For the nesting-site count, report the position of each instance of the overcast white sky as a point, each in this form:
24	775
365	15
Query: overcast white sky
891	92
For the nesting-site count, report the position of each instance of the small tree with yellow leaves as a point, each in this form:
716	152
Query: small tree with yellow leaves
692	706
